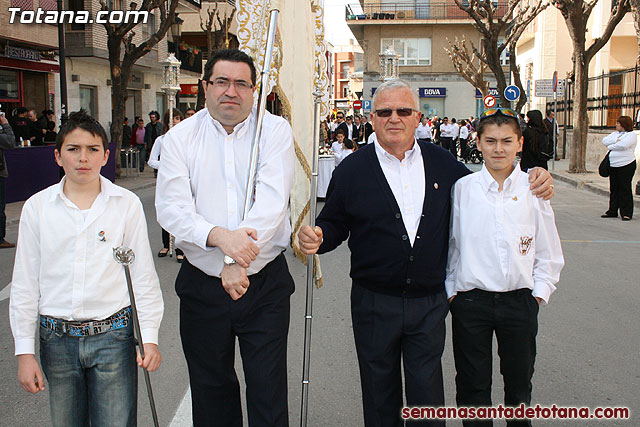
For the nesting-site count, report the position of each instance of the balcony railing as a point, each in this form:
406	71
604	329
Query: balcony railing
417	9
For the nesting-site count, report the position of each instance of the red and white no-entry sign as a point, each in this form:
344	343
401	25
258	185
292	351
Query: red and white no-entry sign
357	105
489	101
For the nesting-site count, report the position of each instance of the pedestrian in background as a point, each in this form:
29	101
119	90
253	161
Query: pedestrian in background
138	141
536	138
7	142
621	145
154	162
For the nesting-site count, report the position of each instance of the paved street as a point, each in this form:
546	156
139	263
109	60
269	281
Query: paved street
587	343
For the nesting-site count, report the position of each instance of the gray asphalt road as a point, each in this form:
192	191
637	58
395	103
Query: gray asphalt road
587	344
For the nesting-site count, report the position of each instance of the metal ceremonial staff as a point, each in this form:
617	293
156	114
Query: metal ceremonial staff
125	256
310	259
262	104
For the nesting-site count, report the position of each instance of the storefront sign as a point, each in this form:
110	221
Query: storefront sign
493	91
189	89
22	53
433	92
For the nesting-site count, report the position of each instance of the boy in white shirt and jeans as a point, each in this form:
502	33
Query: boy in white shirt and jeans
66	280
504	261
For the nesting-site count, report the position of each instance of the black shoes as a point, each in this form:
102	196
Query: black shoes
608	215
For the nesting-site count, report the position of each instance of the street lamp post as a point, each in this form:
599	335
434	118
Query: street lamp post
63	68
176	33
171	86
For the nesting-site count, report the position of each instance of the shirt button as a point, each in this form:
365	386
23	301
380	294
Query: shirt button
411	258
497	296
398	216
408	281
405	237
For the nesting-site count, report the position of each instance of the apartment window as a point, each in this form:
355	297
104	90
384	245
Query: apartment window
150	27
114	4
88	100
345	71
76	6
504	56
412	51
345	92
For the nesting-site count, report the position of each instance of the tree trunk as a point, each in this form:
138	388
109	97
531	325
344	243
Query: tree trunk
580	117
119	94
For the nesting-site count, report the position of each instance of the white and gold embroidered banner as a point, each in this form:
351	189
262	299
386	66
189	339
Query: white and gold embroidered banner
299	67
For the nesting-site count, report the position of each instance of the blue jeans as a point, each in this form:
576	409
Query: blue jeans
92	379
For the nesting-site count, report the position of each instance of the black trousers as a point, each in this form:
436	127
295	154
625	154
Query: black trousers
621	194
453	148
389	330
463	148
210	321
445	142
166	238
513	316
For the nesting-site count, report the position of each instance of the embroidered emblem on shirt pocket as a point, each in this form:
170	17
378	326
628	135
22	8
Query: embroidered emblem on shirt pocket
525	245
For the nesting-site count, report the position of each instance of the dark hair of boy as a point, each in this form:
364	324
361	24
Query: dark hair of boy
499	120
233	55
340	132
81	120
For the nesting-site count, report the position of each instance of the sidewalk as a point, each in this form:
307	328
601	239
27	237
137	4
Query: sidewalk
132	182
590	181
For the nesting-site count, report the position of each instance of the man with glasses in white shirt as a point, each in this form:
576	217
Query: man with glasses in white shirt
234	281
397	223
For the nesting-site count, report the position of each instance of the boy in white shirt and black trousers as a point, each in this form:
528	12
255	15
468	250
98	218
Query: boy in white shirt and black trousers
504	261
66	280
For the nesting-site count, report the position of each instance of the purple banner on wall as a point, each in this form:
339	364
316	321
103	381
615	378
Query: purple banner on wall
32	169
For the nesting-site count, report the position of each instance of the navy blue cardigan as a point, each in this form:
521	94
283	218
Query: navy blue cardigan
360	205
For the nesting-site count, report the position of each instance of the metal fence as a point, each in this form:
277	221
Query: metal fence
416	9
609	96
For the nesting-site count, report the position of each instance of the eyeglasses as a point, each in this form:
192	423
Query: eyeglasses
223	84
402	112
504	111
340	117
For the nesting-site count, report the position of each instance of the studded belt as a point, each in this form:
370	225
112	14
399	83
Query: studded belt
91	327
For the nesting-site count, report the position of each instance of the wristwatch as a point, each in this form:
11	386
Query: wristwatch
228	260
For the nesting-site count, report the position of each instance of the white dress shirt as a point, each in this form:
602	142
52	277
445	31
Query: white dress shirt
406	179
202	184
64	265
464	132
622	146
502	241
372	138
455	130
154	156
423	131
446	130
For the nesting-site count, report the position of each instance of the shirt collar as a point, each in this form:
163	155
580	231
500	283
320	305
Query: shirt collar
107	189
409	155
489	183
241	128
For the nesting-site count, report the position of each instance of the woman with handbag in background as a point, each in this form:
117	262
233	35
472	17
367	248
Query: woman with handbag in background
621	145
535	143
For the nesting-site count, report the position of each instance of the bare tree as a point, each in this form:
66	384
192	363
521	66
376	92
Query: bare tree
467	64
576	15
218	37
119	39
635	9
494	20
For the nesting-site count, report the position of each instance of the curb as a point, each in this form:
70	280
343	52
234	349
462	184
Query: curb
582	185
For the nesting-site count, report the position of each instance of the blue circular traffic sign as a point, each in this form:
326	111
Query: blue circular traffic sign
512	93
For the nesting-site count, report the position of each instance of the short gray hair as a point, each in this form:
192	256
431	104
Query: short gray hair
395	84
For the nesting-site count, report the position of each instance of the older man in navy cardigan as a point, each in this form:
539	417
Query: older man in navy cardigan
397	222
